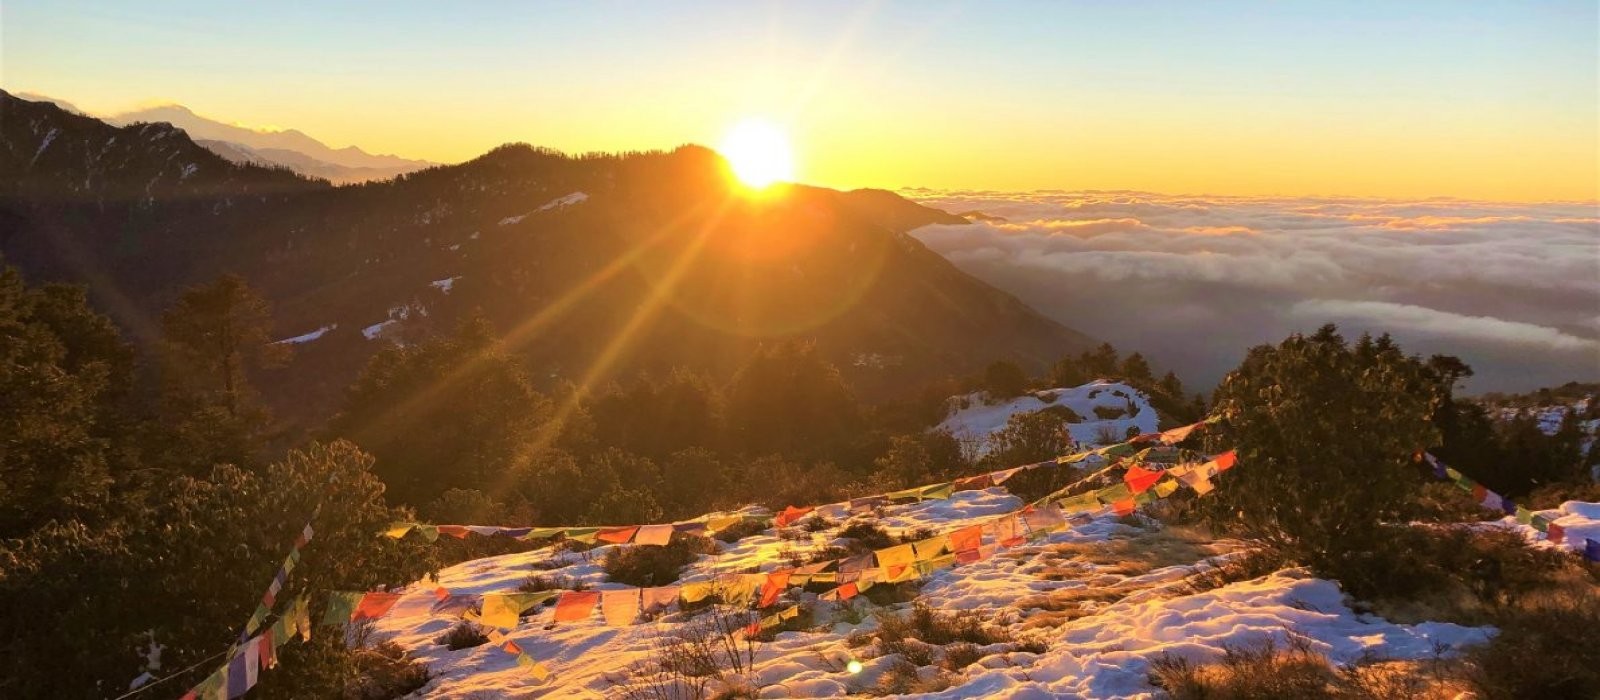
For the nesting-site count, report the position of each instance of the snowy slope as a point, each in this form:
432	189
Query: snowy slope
1103	654
975	421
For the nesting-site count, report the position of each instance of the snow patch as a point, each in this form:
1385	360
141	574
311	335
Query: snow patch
307	337
445	284
975	421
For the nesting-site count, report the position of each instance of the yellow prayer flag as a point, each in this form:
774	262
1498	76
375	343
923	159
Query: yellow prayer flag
896	556
398	530
1165	488
500	611
696	592
931	547
718	524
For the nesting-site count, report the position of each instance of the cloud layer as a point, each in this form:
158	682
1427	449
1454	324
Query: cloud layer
1514	289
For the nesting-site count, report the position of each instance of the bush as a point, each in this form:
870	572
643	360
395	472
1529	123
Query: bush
741	530
383	672
709	647
1325	435
937	627
462	636
866	535
1263	671
651	565
1548	649
1109	412
557	582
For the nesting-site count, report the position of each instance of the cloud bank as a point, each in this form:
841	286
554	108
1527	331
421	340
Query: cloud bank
1514	289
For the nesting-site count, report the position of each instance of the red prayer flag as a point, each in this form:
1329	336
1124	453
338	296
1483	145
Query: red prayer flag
1226	460
1123	507
1140	479
457	531
790	514
576	605
617	535
374	605
968	556
847	591
1556	533
266	650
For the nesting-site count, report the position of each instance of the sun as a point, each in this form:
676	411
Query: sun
758	152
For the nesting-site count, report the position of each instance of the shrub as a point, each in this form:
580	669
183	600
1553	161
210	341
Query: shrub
551	582
383	672
1004	380
1325	435
1548	649
462	636
1248	672
960	655
652	565
741	530
905	678
866	535
1109	412
711	646
937	627
817	523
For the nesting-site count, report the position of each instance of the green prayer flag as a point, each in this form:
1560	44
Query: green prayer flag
938	491
1079	503
341	607
1114	493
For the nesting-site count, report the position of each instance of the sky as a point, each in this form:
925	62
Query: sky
1477	100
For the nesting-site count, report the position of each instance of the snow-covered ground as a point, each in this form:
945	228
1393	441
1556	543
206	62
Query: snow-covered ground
974	420
1116	580
1579	521
561	202
307	337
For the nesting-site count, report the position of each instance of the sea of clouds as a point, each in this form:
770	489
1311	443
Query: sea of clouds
1513	289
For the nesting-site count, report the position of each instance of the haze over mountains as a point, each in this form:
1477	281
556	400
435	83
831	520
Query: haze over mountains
288	148
562	254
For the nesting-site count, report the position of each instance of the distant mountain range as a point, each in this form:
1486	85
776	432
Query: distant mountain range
649	260
289	148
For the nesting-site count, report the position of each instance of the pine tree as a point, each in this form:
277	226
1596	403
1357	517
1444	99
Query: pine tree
1137	370
1099	363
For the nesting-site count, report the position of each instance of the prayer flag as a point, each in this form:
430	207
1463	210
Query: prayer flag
654	535
967	538
576	605
790	515
1165	488
265	650
1524	516
900	554
1140	479
1556	533
1177	435
1226	460
914	494
398	530
658	599
719	524
1123	507
500	611
1507	506
1080	502
856	563
341	607
428	532
457	531
541	533
1591	549
374	605
617	535
243	670
847	591
696	592
774	585
867	503
620	607
537	669
967	556
974	483
937	491
586	535
931	547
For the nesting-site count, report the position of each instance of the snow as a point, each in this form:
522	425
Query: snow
188	169
307	337
377	329
49	138
565	201
561	202
1104	654
978	420
445	284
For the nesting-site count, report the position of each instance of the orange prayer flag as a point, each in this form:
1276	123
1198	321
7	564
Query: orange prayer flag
1123	507
847	591
374	605
617	535
776	582
967	538
1140	479
576	605
457	531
